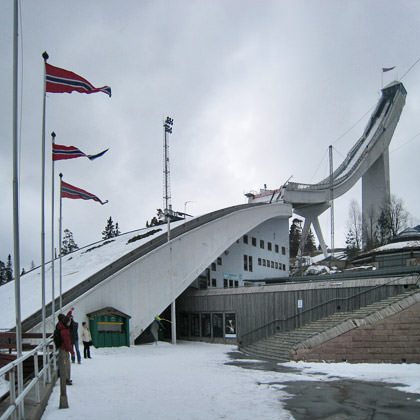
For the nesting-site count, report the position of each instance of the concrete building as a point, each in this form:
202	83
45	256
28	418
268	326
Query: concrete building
262	253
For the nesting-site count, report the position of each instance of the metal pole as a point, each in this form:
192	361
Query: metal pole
44	334
16	246
52	239
331	204
60	230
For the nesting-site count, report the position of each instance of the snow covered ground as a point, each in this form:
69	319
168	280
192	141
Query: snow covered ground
191	381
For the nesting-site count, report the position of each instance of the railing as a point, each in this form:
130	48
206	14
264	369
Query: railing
17	397
316	312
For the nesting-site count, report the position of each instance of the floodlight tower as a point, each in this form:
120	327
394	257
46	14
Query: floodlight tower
167	126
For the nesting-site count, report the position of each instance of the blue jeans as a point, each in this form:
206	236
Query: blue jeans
76	350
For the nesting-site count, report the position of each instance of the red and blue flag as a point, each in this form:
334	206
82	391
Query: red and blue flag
58	80
60	152
70	191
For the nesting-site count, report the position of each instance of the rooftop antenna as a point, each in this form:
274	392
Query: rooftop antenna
167	125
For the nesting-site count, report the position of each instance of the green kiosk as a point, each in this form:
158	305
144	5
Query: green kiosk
109	328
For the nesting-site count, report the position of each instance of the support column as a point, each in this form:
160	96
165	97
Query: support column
375	189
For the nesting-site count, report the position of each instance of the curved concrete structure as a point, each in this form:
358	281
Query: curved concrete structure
368	159
146	281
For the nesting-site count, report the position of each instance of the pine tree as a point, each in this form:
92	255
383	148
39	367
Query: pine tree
109	231
310	245
68	245
294	237
9	269
2	273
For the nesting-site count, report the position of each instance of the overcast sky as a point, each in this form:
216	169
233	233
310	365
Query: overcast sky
258	90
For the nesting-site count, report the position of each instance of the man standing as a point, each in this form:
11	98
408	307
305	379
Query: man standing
74	337
63	357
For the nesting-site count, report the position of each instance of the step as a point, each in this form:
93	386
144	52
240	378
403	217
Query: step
278	346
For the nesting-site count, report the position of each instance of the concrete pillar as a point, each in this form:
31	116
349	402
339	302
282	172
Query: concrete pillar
375	188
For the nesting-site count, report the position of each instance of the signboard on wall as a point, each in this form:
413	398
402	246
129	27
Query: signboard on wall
230	325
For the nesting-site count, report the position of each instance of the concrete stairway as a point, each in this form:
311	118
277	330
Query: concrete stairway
279	346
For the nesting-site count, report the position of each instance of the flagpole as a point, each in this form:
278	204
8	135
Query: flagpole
45	57
52	237
60	229
16	246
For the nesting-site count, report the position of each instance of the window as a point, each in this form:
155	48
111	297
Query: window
276	265
269	246
230	283
219	261
217	325
259	261
245	239
230	325
272	264
236	283
261	244
264	262
213	266
205	325
225	283
250	263
245	262
283	250
276	248
195	325
284	267
254	241
213	282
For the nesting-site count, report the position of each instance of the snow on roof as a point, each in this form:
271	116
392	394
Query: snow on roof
396	246
77	267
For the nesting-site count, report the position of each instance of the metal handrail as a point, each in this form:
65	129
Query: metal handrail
269	326
17	399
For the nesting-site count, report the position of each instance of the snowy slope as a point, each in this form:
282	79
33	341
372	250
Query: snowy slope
77	267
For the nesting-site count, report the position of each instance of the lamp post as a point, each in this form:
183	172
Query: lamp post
167	125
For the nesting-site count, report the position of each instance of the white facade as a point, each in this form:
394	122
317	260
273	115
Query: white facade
262	253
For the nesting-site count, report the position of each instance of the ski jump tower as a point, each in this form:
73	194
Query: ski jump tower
368	159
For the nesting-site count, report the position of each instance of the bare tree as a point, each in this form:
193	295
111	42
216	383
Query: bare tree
354	230
394	218
370	235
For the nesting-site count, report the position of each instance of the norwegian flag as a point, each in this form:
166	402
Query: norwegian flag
70	191
58	80
60	152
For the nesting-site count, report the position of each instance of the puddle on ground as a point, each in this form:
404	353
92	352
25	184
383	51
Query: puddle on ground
338	399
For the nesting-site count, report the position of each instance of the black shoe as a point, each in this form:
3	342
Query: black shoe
69	382
89	357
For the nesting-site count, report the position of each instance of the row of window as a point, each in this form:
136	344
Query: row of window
263	262
213	265
262	244
226	283
208	325
271	264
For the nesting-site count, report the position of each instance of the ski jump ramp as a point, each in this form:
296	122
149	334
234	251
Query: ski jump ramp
368	159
